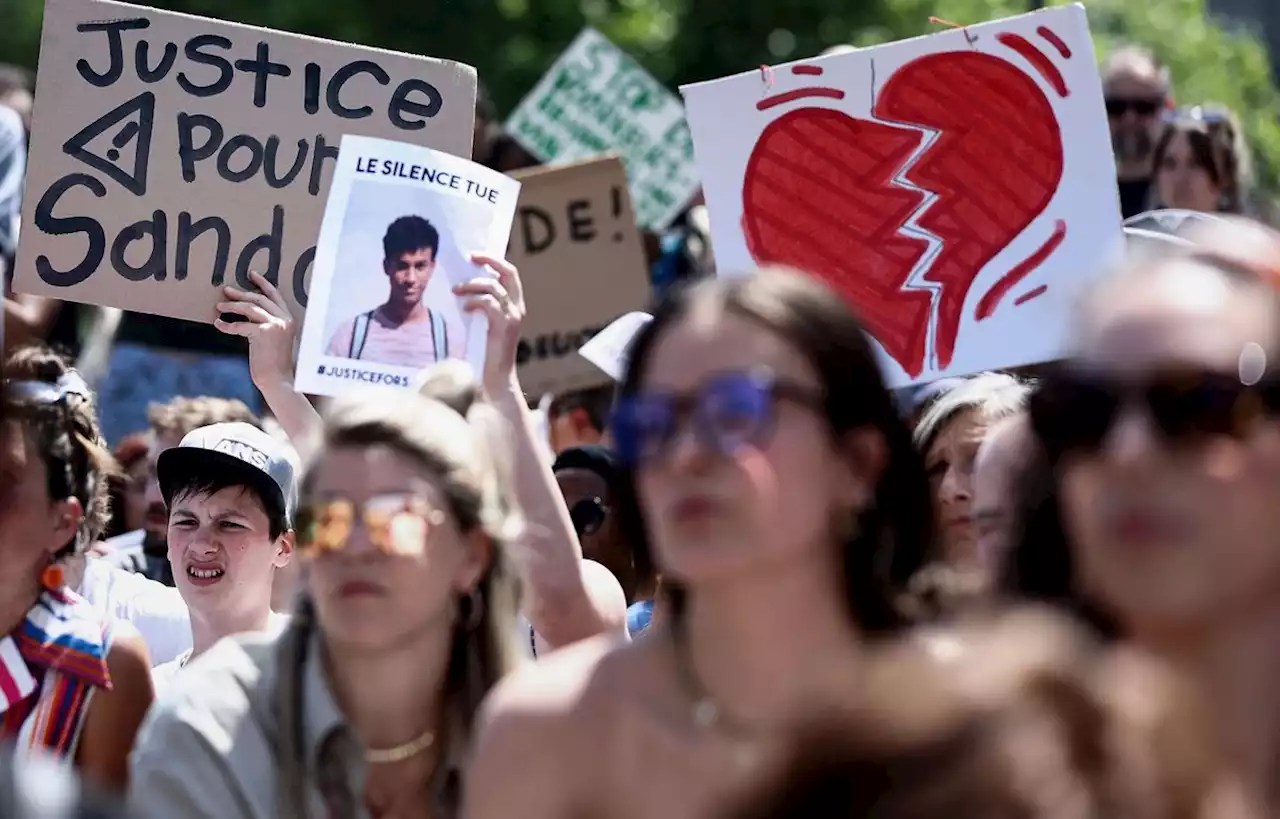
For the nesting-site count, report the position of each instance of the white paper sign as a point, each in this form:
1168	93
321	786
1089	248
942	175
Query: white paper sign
597	99
956	189
399	226
608	348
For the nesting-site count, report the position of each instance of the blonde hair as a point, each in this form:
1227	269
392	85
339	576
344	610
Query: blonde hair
459	440
994	395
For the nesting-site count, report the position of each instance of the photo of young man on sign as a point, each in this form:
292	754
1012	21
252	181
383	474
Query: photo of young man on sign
400	227
403	330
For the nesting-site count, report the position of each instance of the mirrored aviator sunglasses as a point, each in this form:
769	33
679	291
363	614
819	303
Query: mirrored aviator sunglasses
396	524
1074	411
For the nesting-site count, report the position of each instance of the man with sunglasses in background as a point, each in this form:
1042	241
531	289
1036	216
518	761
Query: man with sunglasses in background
231	493
1138	94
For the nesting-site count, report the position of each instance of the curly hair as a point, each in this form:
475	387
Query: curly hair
67	437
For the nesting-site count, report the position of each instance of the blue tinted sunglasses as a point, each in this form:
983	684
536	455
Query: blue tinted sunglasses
728	411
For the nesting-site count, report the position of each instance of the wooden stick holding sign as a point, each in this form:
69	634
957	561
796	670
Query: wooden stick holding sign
172	154
576	243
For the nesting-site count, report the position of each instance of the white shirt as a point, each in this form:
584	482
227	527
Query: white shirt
154	609
162	675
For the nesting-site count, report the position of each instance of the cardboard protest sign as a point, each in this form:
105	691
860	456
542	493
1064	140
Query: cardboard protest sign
582	264
171	154
956	189
399	228
597	99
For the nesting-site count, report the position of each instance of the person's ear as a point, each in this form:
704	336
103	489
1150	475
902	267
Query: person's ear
388	266
67	515
284	549
582	424
864	458
476	561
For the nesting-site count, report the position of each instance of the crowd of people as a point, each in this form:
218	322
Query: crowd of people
746	581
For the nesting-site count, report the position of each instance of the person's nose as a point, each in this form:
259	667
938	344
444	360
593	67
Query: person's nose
202	543
1131	440
956	486
686	451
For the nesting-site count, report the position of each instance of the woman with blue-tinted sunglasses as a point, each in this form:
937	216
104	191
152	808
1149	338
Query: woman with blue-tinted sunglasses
768	475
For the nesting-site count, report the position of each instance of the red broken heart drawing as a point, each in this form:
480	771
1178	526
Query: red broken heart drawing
818	191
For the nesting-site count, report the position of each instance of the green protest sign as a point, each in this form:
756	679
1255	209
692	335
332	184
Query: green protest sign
597	99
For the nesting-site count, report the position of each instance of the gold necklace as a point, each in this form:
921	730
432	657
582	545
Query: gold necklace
706	712
410	749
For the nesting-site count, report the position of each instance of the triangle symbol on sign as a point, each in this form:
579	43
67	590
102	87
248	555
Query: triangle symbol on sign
135	119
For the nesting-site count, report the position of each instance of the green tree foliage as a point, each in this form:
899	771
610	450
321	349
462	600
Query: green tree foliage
512	42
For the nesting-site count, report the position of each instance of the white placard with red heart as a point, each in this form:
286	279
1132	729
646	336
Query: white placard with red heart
958	188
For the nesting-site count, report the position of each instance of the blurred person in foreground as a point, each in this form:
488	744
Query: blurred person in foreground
1202	162
364	705
769	477
37	787
1137	92
1021	718
568	598
76	684
1155	516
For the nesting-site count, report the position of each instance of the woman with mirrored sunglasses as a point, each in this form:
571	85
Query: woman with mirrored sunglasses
365	706
771	479
1154	514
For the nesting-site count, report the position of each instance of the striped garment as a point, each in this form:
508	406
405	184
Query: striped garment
416	344
49	668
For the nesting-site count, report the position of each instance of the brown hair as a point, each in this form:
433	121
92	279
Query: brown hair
1021	720
1216	147
182	415
456	438
67	437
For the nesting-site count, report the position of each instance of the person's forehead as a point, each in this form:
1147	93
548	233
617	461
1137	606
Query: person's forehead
1181	313
1134	80
238	499
709	340
966	427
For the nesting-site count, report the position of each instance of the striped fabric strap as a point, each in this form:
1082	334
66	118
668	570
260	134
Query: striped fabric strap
63	642
16	680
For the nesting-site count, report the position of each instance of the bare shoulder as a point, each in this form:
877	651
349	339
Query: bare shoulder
115	714
537	730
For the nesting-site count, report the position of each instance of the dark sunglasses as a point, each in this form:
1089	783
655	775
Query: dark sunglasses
588	516
396	524
1074	411
1116	107
728	411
